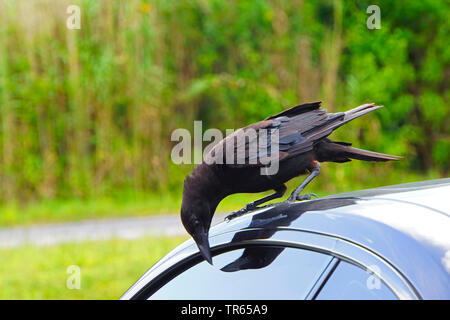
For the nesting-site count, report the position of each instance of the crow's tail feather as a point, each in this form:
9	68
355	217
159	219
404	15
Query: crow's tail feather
336	120
342	152
358	112
360	154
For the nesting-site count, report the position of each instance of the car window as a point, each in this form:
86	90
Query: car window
349	282
261	272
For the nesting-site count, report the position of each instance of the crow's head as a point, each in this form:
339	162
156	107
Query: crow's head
196	217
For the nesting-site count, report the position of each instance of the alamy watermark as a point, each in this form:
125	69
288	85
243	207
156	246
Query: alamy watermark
374	20
373	282
240	147
73	281
74	20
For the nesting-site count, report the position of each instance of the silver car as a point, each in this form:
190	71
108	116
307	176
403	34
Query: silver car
385	243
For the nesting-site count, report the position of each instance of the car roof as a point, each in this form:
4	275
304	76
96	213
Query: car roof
424	193
407	225
428	199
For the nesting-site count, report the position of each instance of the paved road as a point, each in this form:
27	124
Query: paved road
88	230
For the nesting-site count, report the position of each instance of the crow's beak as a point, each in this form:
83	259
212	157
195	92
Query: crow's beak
239	264
203	245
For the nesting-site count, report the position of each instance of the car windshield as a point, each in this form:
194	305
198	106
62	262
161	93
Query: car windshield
262	272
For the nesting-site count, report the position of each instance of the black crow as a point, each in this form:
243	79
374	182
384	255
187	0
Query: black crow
295	140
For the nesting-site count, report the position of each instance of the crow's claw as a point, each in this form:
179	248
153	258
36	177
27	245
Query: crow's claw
238	213
235	214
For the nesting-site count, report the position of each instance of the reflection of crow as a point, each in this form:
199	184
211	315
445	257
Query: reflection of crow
254	258
265	224
294	141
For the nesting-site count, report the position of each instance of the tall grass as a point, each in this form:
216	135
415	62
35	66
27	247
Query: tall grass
81	110
88	113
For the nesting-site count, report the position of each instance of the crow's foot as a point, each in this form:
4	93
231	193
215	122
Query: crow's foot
302	197
306	196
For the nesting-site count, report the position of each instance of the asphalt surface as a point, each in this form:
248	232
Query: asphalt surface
90	230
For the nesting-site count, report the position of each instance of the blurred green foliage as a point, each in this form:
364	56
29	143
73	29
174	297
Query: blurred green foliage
88	113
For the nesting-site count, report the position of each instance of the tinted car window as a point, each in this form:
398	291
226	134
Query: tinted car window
253	273
349	282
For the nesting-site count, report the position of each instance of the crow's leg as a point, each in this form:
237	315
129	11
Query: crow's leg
279	192
295	195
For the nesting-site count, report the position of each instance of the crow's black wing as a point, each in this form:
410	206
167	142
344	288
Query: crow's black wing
286	134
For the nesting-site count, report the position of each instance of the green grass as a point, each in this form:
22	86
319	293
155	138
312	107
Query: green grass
108	268
50	211
79	209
